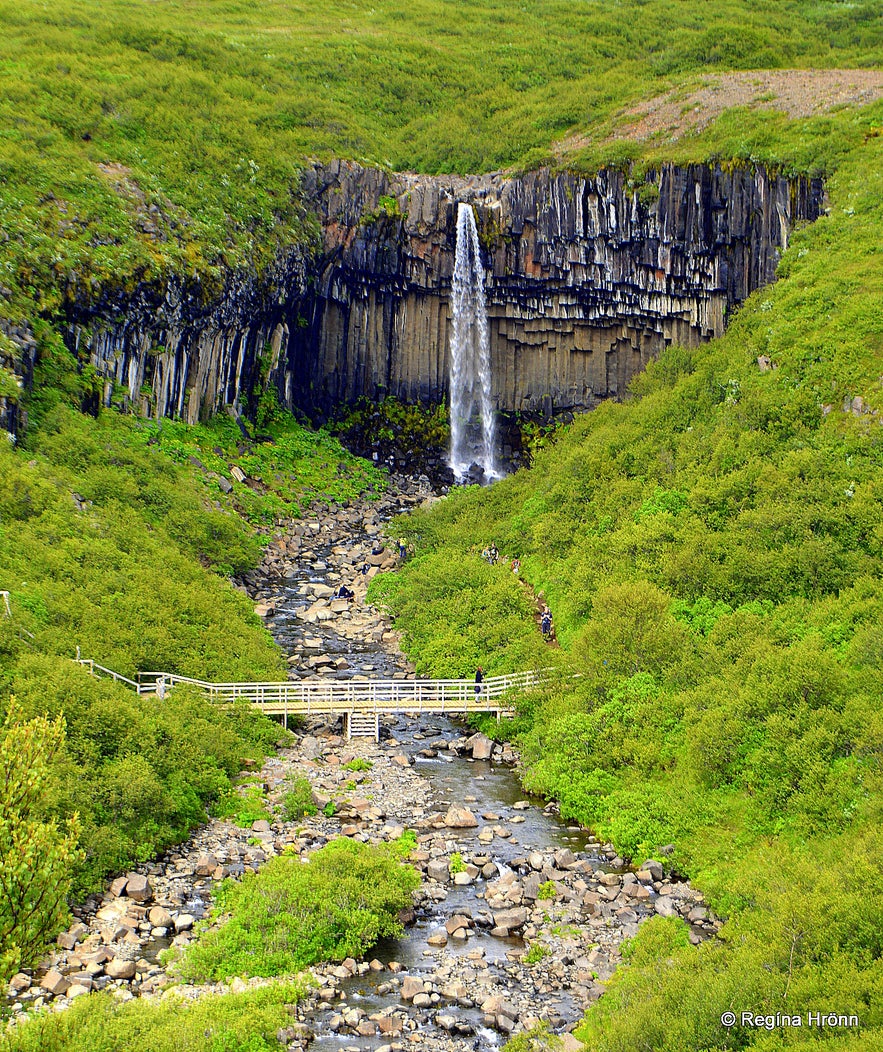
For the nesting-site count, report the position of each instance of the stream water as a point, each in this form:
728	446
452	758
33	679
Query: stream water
487	789
491	790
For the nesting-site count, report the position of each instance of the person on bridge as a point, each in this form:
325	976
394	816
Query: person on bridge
479	677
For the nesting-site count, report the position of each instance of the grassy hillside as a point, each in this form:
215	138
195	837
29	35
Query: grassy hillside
141	139
713	555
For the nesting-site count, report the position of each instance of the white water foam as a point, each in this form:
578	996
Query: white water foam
473	427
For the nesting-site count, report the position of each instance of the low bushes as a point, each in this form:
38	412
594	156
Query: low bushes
246	1022
298	801
292	914
139	771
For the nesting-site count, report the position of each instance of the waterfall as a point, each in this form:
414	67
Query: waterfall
473	431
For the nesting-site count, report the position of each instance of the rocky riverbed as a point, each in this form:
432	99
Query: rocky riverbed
519	918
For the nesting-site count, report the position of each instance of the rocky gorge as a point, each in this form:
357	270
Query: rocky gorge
519	918
588	277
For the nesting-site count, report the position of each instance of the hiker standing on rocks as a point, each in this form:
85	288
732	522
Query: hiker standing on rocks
403	548
479	677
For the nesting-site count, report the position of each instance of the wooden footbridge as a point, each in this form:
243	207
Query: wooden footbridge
361	702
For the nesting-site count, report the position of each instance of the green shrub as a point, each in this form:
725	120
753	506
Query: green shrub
245	1022
405	844
358	764
547	890
292	914
245	806
298	801
536	953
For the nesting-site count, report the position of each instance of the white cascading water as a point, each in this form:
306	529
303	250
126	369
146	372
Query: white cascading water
473	429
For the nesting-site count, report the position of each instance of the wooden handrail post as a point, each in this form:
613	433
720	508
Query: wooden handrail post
320	695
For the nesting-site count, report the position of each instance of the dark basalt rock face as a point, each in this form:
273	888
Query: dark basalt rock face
18	355
587	279
178	351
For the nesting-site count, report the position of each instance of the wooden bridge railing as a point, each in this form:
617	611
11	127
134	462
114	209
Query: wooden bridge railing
302	697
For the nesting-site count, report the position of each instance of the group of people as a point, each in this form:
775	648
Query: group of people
491	555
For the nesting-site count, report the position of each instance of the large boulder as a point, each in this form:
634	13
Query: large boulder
438	869
160	917
511	919
206	865
531	887
564	858
457	923
119	969
138	887
459	817
665	907
54	983
654	868
482	747
410	988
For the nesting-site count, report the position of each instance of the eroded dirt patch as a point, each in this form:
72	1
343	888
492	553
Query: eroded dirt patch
795	92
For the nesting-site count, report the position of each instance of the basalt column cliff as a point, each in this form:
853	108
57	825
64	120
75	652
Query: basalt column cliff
587	278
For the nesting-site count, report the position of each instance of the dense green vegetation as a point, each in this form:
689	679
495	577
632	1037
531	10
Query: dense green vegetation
290	914
713	555
244	1022
115	537
459	614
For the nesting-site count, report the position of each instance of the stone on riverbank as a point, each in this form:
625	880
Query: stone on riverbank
138	887
459	817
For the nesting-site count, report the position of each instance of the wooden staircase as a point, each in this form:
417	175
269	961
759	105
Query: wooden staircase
361	725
